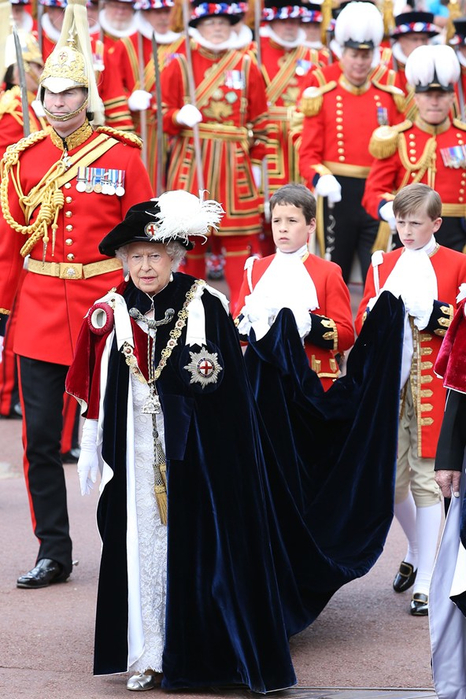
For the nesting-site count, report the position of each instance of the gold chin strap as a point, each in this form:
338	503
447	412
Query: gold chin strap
66	117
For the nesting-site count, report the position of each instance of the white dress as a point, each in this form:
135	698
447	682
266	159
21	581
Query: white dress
152	536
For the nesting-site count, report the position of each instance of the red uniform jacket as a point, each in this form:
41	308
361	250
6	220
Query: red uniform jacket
230	94
427	389
332	324
284	71
331	141
51	308
420	152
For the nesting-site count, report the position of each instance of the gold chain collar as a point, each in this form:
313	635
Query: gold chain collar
74	140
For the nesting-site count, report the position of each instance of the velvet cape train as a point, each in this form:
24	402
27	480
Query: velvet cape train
264	524
333	453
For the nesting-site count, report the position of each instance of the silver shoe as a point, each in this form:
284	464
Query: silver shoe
142	681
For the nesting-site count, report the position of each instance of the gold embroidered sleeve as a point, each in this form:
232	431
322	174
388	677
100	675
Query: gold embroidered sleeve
323	333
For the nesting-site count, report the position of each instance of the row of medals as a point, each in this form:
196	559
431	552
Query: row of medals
89	182
100	188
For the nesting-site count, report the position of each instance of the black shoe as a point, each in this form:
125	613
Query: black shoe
419	604
43	574
71	456
405	577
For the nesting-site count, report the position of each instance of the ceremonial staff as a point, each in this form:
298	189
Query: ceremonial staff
158	98
265	172
22	83
192	97
143	113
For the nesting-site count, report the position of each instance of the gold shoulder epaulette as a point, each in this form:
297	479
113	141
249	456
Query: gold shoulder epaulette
398	95
8	101
129	138
313	98
384	140
459	124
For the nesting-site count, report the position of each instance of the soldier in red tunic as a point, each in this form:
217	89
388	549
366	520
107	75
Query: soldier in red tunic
231	118
286	61
430	150
334	155
427	276
62	189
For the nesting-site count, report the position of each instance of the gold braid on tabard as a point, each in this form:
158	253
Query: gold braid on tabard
152	405
46	194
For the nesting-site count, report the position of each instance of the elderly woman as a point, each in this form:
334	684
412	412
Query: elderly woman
188	589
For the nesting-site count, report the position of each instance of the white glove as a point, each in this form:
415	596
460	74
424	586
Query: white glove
38	108
88	463
420	309
328	186
139	100
461	294
386	213
303	320
257	174
2	339
189	116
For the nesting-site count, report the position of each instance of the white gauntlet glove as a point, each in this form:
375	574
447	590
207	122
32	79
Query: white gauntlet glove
88	463
386	213
328	186
139	100
257	175
2	340
420	309
189	116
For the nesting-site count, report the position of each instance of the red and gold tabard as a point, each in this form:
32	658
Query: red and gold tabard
77	193
427	389
11	118
230	94
130	48
418	152
284	72
338	123
332	323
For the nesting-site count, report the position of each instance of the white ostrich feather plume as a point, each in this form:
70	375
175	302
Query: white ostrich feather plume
359	21
428	62
183	215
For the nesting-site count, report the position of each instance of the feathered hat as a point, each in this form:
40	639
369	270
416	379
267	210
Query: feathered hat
359	26
70	63
459	39
415	23
283	9
176	215
232	10
433	68
153	4
313	13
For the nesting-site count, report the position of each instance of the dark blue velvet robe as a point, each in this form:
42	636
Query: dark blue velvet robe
269	513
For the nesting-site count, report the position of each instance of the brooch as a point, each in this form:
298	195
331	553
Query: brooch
204	367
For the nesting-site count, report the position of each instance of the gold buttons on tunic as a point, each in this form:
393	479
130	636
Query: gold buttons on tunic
68	214
68	185
70	256
69	227
69	241
68	200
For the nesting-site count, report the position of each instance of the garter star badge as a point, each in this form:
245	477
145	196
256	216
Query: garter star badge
204	367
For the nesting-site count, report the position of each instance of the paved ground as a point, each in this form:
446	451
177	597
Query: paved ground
365	638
